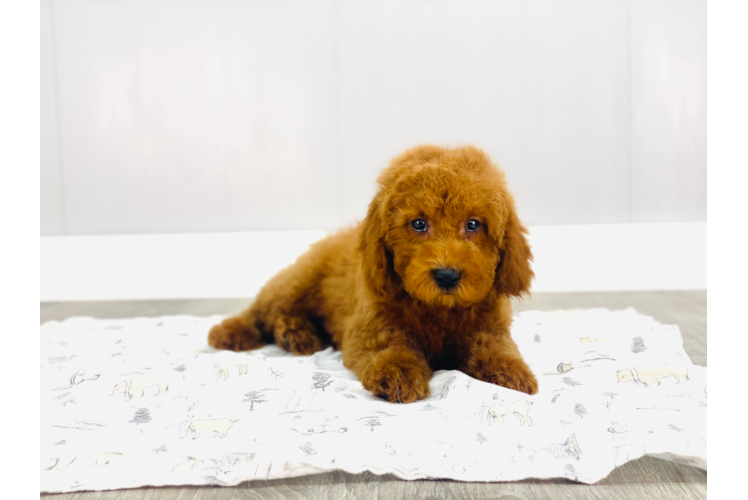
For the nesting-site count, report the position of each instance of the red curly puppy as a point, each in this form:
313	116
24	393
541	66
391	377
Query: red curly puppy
423	283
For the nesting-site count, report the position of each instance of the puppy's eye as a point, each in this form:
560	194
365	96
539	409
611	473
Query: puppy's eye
473	225
419	225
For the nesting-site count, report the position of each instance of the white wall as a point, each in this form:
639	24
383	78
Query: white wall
204	116
52	206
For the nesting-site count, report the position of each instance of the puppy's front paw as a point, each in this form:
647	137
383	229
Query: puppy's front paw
403	381
514	374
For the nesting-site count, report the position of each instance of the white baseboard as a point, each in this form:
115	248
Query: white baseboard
607	257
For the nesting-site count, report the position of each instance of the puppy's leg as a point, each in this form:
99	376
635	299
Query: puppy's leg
495	358
283	309
296	334
388	367
238	333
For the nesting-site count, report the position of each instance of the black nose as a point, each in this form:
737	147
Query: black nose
446	278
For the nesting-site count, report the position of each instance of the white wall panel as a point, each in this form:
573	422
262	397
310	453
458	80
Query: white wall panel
669	110
197	116
541	86
51	214
226	115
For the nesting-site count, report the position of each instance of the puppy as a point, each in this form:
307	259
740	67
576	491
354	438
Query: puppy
422	284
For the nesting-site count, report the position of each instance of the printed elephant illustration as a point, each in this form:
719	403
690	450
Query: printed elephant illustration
497	409
134	388
649	375
220	426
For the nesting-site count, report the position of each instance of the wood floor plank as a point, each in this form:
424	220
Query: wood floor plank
643	478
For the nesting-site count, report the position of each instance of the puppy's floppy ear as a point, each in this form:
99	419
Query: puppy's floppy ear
376	259
513	273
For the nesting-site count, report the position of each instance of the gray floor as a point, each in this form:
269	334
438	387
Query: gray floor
643	478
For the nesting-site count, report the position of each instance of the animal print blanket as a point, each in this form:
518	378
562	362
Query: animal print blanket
145	401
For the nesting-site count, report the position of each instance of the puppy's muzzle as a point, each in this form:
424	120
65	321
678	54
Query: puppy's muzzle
446	278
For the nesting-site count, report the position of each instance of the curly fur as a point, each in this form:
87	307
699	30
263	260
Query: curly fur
369	290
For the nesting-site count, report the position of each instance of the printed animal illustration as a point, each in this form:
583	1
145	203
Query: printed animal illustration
618	428
77	378
163	349
441	250
189	464
587	340
557	394
220	426
134	388
440	449
569	449
317	429
623	452
105	458
299	403
561	369
525	455
436	449
445	388
398	450
233	459
223	370
650	376
564	367
497	409
62	462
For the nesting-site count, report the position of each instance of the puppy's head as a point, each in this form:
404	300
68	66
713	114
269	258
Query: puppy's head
443	228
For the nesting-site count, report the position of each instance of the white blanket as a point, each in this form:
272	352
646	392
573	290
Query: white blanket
145	401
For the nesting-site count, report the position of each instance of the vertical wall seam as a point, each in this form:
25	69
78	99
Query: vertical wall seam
58	119
336	90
